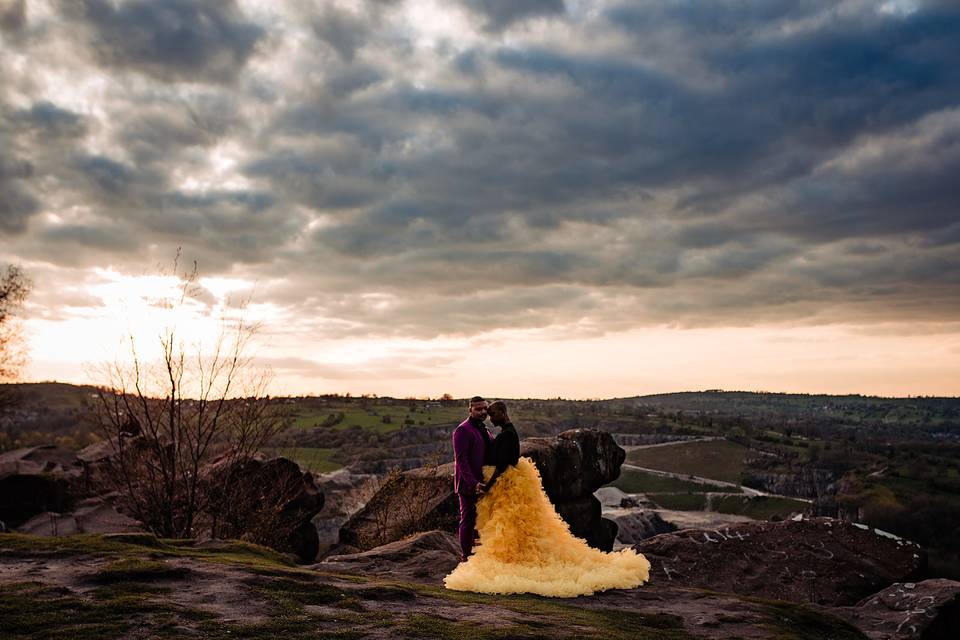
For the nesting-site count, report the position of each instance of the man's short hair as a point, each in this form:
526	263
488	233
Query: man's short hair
497	406
476	399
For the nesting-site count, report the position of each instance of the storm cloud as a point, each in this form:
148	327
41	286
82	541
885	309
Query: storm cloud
428	169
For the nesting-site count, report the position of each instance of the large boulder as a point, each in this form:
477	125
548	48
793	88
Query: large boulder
575	463
37	480
808	560
94	515
423	557
928	610
407	502
270	502
636	526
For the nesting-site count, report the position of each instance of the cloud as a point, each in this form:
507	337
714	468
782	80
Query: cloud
502	14
629	164
172	40
13	15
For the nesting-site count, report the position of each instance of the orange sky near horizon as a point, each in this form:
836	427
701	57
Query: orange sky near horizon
884	359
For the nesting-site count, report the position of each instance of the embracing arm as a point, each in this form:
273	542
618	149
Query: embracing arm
507	453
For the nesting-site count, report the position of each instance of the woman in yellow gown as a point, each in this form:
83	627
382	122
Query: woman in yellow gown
526	547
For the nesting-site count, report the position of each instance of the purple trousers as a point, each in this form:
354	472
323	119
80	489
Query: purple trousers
468	524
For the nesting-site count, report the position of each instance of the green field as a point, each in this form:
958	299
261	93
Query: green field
681	501
759	507
716	459
632	481
379	418
312	459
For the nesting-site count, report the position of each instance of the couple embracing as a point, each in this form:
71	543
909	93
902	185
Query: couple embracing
511	538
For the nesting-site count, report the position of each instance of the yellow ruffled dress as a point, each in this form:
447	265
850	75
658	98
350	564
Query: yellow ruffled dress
526	547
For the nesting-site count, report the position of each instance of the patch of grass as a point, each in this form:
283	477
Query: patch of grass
127	546
421	626
795	622
315	459
563	616
680	501
31	610
633	481
138	570
758	507
291	595
716	459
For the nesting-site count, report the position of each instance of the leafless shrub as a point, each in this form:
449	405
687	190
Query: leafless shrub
165	421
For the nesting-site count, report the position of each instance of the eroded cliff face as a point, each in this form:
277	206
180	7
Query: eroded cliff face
804	482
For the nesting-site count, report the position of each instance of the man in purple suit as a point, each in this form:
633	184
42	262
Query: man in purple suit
471	440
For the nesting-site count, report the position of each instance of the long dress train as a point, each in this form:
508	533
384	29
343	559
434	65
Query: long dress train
526	547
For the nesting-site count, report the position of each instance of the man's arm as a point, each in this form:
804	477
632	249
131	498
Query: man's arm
461	456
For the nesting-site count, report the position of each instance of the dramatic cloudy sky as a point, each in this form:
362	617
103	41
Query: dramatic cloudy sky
507	197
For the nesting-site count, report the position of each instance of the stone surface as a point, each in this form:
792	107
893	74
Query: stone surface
271	493
424	557
584	517
810	560
36	480
636	526
909	611
94	515
407	502
575	463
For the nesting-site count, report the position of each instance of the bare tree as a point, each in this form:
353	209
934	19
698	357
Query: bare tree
14	288
167	420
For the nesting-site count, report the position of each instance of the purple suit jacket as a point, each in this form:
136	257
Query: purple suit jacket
469	451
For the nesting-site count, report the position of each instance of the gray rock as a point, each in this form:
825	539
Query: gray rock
640	525
816	560
909	611
423	557
575	463
90	516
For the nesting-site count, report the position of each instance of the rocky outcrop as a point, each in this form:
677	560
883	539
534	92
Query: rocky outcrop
572	466
37	480
909	611
575	463
636	526
816	560
423	557
266	501
406	503
94	515
803	483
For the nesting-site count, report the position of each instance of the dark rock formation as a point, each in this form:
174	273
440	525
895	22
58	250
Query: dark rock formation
909	611
818	560
267	501
424	557
407	502
94	515
573	465
805	482
36	480
640	525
